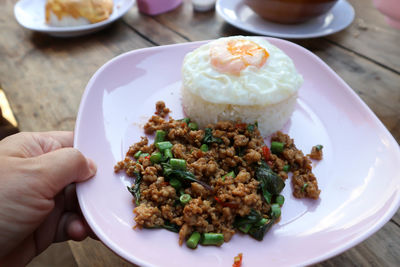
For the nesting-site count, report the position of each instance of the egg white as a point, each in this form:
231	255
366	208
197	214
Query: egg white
276	81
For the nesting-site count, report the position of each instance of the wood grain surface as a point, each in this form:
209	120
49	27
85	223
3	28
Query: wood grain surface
44	78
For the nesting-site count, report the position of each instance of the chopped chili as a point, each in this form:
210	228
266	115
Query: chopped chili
237	261
241	125
266	153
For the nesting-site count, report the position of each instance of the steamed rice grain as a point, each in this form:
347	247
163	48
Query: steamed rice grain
270	118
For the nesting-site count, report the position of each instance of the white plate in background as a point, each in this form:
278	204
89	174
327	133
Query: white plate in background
30	14
236	13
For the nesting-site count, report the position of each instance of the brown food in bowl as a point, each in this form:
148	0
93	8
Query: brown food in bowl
290	11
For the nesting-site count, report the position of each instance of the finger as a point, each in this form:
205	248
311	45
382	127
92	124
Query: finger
71	204
57	169
28	145
71	226
50	141
19	145
71	200
46	232
76	228
65	138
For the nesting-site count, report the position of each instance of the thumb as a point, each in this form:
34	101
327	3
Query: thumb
61	167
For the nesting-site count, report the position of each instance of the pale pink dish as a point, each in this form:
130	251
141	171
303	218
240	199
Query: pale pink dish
156	7
358	177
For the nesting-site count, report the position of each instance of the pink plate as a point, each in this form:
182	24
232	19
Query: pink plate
358	176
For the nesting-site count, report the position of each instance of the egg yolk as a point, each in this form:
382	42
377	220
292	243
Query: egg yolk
233	56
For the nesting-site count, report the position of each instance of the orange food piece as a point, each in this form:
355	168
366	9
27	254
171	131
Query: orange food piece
233	56
237	261
93	10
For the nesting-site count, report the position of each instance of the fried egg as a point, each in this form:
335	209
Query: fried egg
240	70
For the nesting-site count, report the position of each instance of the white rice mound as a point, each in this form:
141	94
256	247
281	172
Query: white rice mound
270	117
266	95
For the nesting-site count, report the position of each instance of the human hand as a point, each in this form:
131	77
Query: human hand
38	204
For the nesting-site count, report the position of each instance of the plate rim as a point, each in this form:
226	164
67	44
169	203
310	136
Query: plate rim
392	209
218	8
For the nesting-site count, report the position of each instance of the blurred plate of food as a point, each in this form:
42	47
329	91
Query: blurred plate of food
240	15
66	18
357	177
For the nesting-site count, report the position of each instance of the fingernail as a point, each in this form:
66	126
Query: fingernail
92	166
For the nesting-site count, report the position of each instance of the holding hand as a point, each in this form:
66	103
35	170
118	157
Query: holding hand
38	203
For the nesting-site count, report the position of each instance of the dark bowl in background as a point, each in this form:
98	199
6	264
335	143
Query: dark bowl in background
290	11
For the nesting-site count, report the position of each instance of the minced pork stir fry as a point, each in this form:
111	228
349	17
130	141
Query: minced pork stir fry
207	184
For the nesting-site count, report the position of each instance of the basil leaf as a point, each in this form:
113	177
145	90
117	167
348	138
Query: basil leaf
182	175
135	190
267	195
250	127
253	224
168	226
258	232
171	227
209	138
252	218
270	182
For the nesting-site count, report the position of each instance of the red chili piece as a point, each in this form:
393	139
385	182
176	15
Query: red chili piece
266	153
241	125
237	261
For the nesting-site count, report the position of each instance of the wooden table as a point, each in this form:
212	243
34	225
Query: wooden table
44	79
